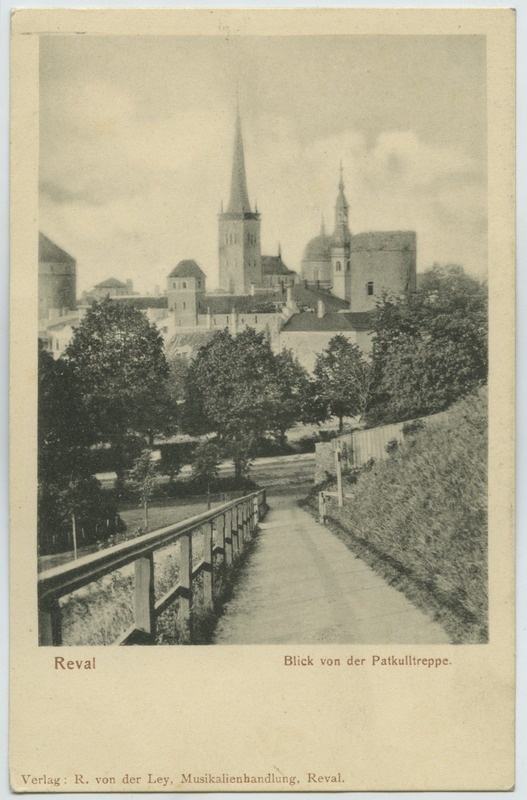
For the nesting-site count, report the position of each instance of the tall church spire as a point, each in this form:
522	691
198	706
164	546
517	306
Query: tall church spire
342	231
239	199
239	253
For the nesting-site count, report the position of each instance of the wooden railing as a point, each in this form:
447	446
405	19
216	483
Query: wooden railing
225	530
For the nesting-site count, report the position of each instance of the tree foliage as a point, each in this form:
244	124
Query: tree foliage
232	390
120	365
66	487
143	481
431	349
343	379
292	386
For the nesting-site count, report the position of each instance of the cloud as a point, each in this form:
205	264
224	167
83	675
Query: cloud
130	194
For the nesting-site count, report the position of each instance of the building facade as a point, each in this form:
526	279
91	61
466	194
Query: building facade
360	268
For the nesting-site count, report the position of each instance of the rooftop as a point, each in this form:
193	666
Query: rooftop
49	251
187	269
273	265
310	321
111	283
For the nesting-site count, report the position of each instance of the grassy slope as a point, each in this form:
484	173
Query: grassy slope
420	518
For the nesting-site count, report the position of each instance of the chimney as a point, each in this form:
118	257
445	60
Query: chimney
289	300
321	310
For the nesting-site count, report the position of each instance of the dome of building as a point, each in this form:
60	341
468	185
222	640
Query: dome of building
318	249
187	269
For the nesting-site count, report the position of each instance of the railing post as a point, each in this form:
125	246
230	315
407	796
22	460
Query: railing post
322	508
248	511
263	504
185	581
235	532
144	601
228	537
207	565
241	541
256	513
50	623
220	534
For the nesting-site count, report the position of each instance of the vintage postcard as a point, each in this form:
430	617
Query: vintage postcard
262	397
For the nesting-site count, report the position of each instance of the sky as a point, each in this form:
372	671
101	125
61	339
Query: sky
136	139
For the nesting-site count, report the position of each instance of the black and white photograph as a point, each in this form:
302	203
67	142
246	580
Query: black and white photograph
262	340
262	319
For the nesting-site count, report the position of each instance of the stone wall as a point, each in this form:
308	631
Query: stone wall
57	287
386	259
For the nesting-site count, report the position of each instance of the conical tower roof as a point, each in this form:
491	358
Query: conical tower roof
239	199
342	232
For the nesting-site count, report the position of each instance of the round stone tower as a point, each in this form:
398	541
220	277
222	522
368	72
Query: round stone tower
57	279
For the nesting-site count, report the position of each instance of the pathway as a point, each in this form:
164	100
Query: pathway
303	586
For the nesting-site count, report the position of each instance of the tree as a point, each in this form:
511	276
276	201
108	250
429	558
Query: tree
292	398
68	495
143	481
231	390
205	467
431	349
343	378
119	362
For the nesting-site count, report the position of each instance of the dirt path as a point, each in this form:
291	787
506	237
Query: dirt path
302	586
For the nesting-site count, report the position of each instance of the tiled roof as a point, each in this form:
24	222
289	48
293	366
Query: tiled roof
243	304
48	251
273	265
309	321
308	297
142	302
187	269
111	283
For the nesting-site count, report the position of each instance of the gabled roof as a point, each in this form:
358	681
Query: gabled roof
187	269
48	251
273	265
310	321
111	283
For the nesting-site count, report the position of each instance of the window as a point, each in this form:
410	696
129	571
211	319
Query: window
338	266
369	287
184	305
184	285
348	266
256	319
199	284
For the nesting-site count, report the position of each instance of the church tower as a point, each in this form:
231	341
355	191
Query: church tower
240	260
340	250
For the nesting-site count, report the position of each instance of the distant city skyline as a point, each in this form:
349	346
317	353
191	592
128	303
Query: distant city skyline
136	138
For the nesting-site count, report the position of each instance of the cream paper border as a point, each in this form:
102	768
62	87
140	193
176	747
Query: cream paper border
168	711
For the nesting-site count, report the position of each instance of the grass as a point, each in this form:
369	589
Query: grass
420	519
